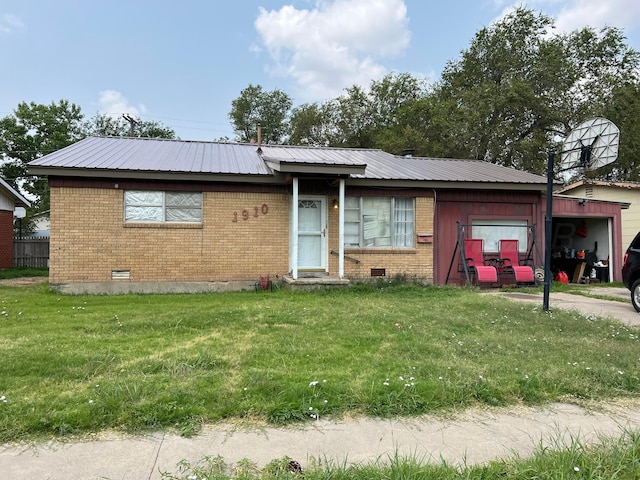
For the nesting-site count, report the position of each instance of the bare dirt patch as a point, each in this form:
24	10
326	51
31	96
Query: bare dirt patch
23	281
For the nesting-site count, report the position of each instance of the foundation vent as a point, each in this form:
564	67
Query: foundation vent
120	274
378	272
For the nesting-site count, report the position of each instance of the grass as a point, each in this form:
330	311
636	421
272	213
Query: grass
16	272
72	365
617	458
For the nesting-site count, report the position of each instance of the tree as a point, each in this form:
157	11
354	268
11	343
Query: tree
34	130
313	124
623	109
384	116
106	125
400	110
269	109
518	88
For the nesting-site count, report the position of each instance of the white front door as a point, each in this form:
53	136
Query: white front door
312	232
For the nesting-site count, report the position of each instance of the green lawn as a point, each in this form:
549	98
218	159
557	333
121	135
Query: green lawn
79	364
17	272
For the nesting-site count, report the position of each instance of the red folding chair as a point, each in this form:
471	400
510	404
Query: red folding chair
510	262
474	258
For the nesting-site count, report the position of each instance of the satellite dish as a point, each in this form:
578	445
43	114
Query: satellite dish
591	145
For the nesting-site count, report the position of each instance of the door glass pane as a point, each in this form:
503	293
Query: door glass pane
309	216
309	249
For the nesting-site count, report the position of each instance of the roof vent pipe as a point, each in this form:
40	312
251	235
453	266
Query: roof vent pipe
259	135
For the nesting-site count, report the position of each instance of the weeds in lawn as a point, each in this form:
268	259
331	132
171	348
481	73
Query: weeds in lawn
78	364
612	458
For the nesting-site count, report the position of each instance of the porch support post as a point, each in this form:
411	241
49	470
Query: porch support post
341	230
294	230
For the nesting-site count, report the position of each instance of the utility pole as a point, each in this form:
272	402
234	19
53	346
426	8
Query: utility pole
132	122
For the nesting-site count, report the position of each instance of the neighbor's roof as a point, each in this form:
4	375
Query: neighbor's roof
158	158
600	183
20	201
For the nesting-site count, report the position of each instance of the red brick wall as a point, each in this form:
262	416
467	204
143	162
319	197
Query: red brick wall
6	239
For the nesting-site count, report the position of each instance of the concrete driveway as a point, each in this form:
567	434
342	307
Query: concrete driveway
586	304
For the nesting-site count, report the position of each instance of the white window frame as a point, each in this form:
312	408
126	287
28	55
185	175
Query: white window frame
494	230
354	218
161	207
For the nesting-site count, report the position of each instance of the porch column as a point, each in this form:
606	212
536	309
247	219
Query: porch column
294	230
341	230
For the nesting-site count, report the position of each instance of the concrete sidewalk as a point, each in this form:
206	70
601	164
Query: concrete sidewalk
471	437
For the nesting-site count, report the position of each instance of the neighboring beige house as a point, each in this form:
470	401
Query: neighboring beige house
628	192
41	224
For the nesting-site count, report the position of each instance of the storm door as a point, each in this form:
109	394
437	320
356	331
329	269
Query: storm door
312	233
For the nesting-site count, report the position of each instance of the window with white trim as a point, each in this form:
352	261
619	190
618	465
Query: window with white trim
162	207
379	222
492	231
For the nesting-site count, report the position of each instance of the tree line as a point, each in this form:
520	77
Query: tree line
34	130
510	98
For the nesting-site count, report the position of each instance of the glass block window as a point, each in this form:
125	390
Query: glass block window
158	206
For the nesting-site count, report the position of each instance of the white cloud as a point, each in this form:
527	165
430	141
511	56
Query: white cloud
570	15
335	44
577	14
114	104
10	23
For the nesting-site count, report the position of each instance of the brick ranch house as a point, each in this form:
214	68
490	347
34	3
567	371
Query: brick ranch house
130	214
9	200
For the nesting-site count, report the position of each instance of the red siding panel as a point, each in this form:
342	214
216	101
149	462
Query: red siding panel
465	207
6	239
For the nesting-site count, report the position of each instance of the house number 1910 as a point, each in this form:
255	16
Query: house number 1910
245	214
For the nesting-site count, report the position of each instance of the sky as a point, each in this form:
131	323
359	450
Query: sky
182	63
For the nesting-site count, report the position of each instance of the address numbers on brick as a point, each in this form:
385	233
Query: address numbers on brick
246	213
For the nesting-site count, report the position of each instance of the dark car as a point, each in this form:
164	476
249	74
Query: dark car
631	271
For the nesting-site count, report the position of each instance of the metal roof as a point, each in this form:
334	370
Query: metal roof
149	156
156	155
448	170
321	155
